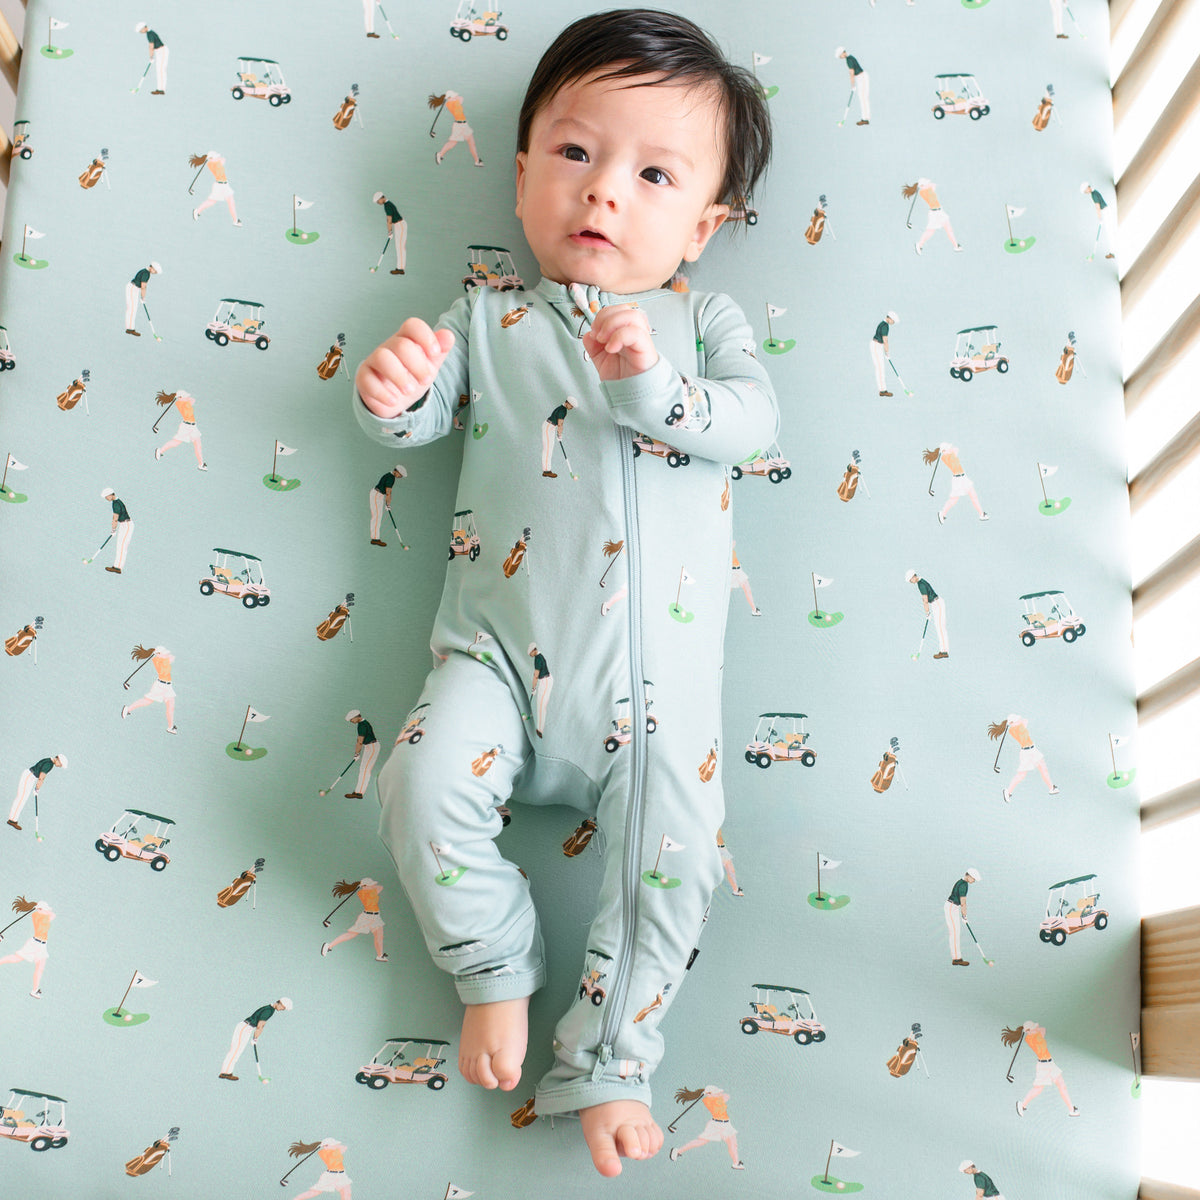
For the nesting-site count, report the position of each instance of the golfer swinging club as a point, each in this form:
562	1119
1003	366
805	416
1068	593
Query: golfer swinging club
247	1031
397	230
187	431
718	1128
938	219
34	949
1047	1071
161	689
935	610
31	780
368	921
956	913
1029	758
214	160
334	1177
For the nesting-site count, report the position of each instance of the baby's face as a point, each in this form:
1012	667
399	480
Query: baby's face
638	166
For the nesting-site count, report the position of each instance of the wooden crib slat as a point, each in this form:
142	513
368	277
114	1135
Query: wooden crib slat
1178	687
10	53
1167	351
1148	54
1171	994
1171	806
1168	239
1166	580
1156	1189
1171	459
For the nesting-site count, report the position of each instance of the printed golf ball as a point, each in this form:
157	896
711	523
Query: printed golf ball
247	752
127	1017
841	1185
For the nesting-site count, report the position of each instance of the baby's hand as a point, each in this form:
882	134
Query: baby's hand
398	372
619	342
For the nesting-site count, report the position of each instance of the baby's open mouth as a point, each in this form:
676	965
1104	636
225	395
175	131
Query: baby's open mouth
591	234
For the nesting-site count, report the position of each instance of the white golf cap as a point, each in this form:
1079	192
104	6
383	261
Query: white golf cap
156	266
104	495
966	1162
974	874
1085	187
532	648
891	316
284	1001
140	26
1014	718
354	715
909	575
375	199
215	154
401	471
367	881
62	760
839	52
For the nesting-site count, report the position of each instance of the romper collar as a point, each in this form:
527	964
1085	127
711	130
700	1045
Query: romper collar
561	293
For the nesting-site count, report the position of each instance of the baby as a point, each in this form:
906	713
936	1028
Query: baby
605	407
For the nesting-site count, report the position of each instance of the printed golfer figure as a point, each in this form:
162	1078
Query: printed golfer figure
161	689
366	751
122	527
880	350
34	949
956	914
368	921
158	59
380	498
1103	216
739	578
1047	1071
460	131
961	485
135	291
397	231
540	687
214	160
1030	757
985	1189
248	1031
718	1128
185	403
938	217
30	783
860	86
334	1177
552	432
935	611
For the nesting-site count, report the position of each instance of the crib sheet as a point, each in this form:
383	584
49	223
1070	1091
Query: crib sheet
191	844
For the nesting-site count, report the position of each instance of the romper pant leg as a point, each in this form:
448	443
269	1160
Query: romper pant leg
601	1058
473	905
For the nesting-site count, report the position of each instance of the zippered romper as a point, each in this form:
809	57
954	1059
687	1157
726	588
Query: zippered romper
603	696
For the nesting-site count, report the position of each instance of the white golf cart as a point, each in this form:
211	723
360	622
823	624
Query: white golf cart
595	971
644	444
262	79
125	838
780	737
491	266
238	575
20	142
772	464
412	731
959	93
238	321
464	537
44	1128
390	1065
692	411
970	357
1050	615
622	724
8	361
778	1009
468	23
1071	906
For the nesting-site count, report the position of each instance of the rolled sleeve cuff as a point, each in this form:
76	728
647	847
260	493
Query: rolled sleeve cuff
650	385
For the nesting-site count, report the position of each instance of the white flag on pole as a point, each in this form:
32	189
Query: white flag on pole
13	465
302	203
139	980
840	1151
441	847
667	844
829	863
684	577
773	310
1119	739
760	59
32	233
280	448
1046	470
1013	211
820	580
55	23
1137	1039
254	715
454	1192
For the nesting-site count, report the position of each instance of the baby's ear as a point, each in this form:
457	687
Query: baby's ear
712	220
521	157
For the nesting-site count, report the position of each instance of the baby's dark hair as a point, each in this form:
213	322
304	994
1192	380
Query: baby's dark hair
647	41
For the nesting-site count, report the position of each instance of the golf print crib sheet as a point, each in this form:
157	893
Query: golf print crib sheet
918	972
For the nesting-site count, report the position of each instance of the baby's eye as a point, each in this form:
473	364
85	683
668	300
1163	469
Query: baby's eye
574	153
656	176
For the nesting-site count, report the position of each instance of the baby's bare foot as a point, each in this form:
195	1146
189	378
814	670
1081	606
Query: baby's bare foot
619	1129
492	1047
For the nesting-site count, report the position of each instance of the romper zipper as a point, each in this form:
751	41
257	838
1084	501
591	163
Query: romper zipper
632	854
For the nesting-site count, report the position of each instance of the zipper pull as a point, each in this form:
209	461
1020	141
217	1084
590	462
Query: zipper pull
603	1056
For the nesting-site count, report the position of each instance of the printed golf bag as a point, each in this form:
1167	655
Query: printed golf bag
516	556
345	114
148	1159
1042	117
708	768
1066	364
480	765
816	227
20	641
230	895
71	397
885	772
901	1062
578	841
330	363
849	485
91	174
332	625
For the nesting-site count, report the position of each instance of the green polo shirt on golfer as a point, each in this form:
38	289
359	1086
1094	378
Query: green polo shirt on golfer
385	483
958	893
153	39
364	731
1099	199
392	211
261	1014
926	590
118	506
854	65
539	665
985	1184
143	276
881	331
42	767
559	414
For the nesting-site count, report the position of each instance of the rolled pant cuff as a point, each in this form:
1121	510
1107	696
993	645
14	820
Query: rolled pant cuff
566	1099
487	989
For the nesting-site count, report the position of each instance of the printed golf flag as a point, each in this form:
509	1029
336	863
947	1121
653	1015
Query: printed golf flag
684	577
820	580
55	23
139	980
254	715
773	310
827	864
456	1193
760	59
13	465
30	232
1136	1038
840	1151
1047	471
441	847
280	448
309	203
1014	211
668	844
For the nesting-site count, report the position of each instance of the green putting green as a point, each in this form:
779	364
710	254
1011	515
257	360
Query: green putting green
825	620
1120	779
277	483
56	52
11	497
1019	245
775	346
122	1017
839	1187
478	430
242	753
451	877
30	263
1052	508
768	92
299	237
680	614
660	881
826	902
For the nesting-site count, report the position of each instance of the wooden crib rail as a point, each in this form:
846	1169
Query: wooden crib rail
1171	994
1155	1189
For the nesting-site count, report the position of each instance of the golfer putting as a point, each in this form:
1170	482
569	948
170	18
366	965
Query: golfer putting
135	292
366	752
30	783
397	231
956	914
247	1031
935	611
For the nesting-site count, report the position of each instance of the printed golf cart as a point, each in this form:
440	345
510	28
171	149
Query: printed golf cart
777	1009
45	1129
595	971
390	1065
8	361
20	143
238	321
468	23
959	93
491	266
1058	620
969	358
125	839
262	79
622	724
238	575
464	538
739	212
644	444
692	410
412	731
780	737
1065	915
772	464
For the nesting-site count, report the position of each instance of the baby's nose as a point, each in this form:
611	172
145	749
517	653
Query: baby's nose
600	190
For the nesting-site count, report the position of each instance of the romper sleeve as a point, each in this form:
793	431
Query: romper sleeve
432	415
729	415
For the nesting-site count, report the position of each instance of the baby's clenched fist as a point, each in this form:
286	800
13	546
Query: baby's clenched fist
398	372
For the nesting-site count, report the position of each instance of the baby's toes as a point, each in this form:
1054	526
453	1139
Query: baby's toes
630	1141
505	1070
604	1153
